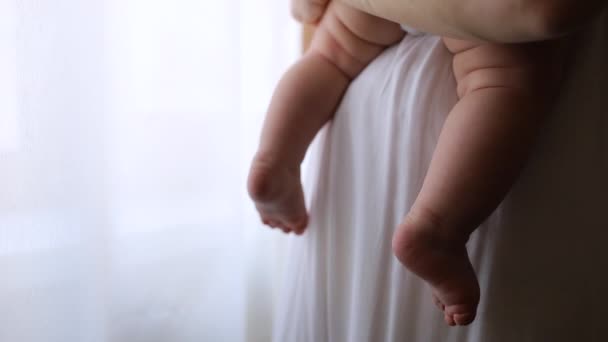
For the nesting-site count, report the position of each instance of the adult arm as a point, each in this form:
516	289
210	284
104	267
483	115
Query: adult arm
506	21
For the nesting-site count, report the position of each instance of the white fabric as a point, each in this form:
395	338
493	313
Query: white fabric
126	130
542	257
412	31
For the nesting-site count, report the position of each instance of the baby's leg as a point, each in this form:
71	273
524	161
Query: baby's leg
305	99
504	94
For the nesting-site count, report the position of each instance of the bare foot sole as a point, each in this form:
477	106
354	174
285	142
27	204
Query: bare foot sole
277	193
443	263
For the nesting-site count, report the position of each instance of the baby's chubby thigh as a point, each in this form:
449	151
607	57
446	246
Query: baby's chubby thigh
367	27
485	65
351	39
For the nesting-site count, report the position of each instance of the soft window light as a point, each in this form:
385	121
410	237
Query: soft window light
8	78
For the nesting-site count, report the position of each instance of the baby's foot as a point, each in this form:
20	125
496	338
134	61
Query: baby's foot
422	246
308	11
277	193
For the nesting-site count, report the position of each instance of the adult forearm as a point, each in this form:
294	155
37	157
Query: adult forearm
488	20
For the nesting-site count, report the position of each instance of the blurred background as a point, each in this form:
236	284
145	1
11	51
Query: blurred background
126	129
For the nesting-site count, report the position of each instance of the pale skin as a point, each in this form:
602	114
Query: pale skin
504	93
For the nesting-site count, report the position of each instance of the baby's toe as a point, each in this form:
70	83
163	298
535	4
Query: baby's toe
272	223
300	226
449	319
464	319
461	314
276	223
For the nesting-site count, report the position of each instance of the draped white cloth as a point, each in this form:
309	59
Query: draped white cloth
126	129
541	257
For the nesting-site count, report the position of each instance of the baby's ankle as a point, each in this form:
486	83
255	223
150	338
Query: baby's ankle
433	225
266	168
272	160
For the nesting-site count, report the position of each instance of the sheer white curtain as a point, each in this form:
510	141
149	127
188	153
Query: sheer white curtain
126	127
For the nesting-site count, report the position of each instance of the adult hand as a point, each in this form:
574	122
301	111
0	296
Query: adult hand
308	11
487	20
